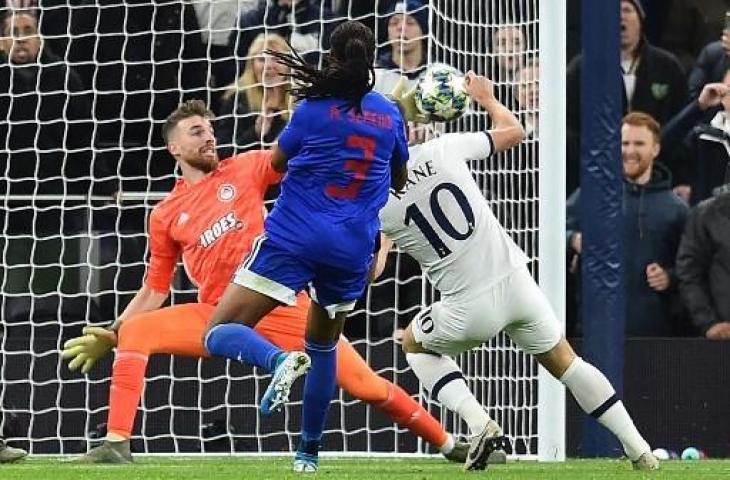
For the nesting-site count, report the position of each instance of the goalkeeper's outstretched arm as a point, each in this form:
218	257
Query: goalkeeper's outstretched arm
145	300
97	342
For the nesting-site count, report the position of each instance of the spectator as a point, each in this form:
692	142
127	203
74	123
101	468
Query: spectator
217	20
45	112
306	24
711	65
140	62
406	49
704	158
366	11
703	266
508	46
517	182
9	454
653	220
527	78
690	25
508	49
254	109
653	79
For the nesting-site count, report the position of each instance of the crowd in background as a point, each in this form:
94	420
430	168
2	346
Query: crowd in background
85	85
675	58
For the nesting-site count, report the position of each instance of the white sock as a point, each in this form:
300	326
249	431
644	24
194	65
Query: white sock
448	445
113	437
443	379
596	397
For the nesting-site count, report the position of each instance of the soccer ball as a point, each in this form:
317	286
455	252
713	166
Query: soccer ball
441	94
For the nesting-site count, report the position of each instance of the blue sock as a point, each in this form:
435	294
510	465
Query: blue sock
241	343
318	388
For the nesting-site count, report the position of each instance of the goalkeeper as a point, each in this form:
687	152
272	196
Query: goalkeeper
210	219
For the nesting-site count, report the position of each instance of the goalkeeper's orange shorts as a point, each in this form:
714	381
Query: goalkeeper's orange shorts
179	329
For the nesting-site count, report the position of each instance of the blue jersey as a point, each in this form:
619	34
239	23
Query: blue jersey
338	178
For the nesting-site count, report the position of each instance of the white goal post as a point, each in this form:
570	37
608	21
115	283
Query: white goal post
73	252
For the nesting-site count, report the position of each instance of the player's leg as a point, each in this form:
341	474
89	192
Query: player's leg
596	396
443	378
321	335
423	341
231	334
284	327
334	292
356	377
267	278
175	330
537	332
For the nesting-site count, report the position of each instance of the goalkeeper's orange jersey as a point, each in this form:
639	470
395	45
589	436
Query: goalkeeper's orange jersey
211	224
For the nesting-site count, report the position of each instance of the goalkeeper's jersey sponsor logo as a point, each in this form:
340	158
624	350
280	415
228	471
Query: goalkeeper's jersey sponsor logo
219	228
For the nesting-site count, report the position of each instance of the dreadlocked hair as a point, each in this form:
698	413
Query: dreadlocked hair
347	71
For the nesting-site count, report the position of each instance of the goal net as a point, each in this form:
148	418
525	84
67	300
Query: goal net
81	108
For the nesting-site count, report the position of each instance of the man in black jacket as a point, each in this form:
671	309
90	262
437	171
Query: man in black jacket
697	141
653	220
711	65
703	266
45	121
653	79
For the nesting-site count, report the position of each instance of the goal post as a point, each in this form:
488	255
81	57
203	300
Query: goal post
551	393
72	257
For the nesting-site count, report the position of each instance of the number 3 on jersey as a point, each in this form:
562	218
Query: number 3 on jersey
415	214
359	166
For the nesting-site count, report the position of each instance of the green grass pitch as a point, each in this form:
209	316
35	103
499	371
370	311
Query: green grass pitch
243	468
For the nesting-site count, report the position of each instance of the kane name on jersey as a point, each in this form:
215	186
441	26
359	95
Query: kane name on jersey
420	172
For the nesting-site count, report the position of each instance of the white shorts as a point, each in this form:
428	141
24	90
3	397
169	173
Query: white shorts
515	304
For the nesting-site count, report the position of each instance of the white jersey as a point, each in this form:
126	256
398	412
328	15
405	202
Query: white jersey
443	220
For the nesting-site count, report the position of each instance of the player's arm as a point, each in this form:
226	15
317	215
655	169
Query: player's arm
145	300
506	131
97	342
291	138
279	160
398	176
164	253
376	269
400	154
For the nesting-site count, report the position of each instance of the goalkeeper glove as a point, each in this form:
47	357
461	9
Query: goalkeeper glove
84	351
407	101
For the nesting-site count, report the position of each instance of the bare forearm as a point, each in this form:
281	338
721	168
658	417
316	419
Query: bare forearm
279	160
501	116
506	129
145	300
378	265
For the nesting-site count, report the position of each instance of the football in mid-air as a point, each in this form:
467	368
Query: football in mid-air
440	93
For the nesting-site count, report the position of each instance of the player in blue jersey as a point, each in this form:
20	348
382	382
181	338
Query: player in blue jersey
344	148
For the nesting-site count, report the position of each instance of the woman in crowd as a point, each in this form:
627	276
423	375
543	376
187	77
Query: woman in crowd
254	109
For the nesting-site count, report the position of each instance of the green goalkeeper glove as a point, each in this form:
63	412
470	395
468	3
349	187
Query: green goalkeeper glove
84	351
407	101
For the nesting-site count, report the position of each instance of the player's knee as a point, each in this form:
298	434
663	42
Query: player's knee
137	332
409	343
216	336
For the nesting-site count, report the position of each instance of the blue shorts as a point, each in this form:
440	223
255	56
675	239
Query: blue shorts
279	274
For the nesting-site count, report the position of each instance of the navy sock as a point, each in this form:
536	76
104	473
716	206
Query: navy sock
243	344
318	388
